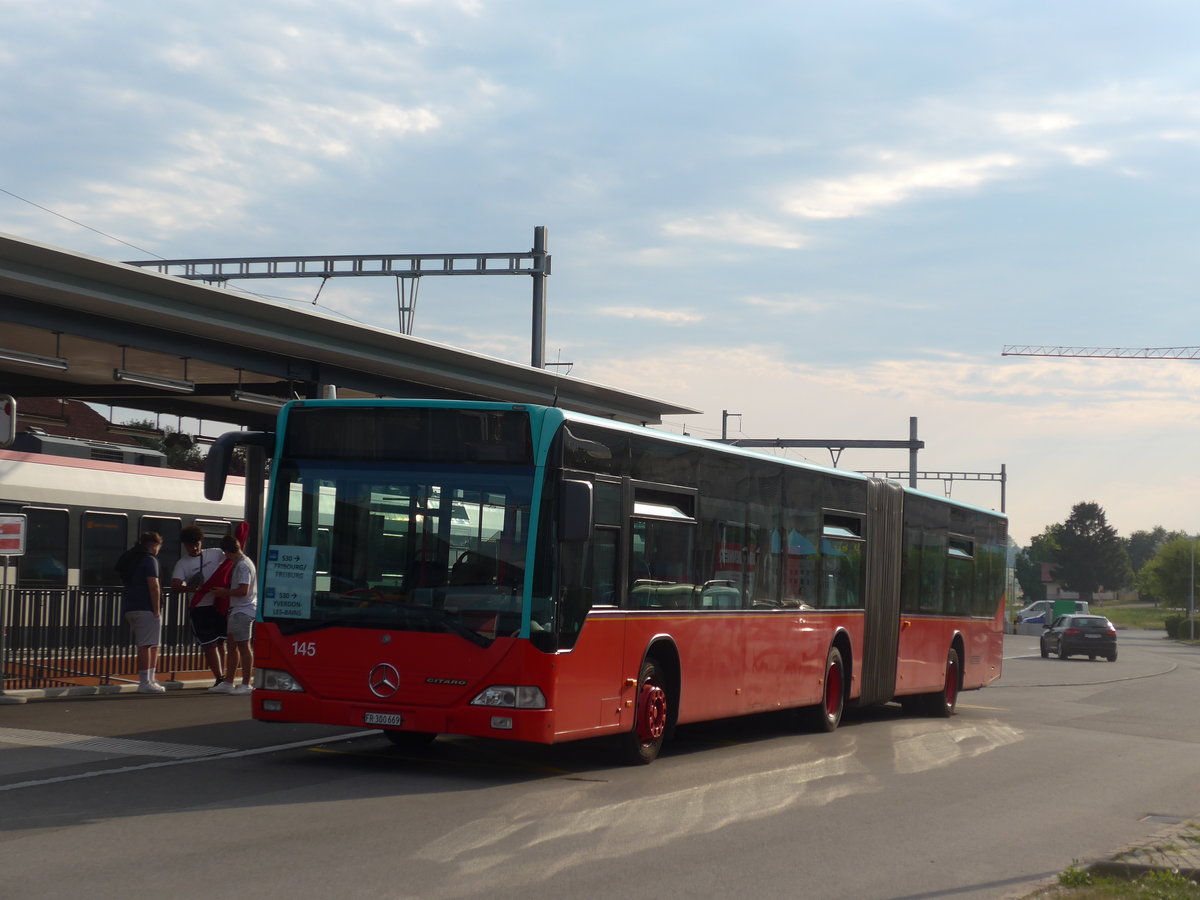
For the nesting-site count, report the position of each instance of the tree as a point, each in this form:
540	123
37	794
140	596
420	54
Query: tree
178	447
1143	545
1043	548
1091	555
1169	574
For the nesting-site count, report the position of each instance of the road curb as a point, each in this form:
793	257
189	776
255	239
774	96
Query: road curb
9	698
1175	848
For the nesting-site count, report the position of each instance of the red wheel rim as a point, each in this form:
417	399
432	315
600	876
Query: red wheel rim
951	683
652	712
833	691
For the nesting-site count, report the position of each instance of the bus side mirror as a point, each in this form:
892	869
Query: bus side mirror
220	457
574	511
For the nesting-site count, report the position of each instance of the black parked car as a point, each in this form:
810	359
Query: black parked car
1080	635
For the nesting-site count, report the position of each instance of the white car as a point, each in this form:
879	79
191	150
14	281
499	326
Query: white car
1037	612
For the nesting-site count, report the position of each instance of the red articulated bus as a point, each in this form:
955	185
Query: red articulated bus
529	573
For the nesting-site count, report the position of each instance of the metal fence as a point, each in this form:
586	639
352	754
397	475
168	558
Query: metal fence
77	636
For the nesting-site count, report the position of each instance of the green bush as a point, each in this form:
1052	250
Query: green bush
1175	626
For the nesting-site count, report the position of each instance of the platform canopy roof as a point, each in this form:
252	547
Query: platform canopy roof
75	326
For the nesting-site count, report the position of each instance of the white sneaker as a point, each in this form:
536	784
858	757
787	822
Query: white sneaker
151	687
221	687
242	689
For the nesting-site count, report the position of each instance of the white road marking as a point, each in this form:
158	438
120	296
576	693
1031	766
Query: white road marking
92	744
219	754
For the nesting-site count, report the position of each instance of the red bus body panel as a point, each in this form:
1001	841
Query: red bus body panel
729	664
925	642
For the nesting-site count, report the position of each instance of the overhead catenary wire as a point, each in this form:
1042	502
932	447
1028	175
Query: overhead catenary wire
103	234
111	237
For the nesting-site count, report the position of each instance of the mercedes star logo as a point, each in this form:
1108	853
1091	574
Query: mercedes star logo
384	680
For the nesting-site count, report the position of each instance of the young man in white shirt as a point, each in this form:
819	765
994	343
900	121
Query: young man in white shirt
195	567
243	604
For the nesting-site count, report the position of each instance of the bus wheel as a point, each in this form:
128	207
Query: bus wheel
827	715
645	739
945	704
410	740
940	704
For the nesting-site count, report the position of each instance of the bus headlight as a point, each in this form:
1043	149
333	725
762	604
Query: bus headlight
276	680
520	696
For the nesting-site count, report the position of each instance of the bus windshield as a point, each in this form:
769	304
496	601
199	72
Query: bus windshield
401	546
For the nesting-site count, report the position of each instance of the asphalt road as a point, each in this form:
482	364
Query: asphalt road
182	795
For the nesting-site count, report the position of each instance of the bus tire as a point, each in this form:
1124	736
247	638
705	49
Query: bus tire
945	704
940	704
642	743
827	715
411	741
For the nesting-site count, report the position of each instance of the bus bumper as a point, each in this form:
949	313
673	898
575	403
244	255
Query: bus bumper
532	725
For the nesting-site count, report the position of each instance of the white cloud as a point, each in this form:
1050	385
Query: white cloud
736	228
668	316
178	202
866	192
784	304
490	343
1085	156
1034	123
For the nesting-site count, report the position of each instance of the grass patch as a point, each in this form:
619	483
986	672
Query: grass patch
1079	884
1150	618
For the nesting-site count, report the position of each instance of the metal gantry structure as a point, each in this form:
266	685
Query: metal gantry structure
406	268
1103	352
948	479
835	448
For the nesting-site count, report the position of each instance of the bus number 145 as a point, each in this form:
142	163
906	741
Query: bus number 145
304	648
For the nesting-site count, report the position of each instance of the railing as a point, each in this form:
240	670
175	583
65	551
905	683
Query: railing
51	638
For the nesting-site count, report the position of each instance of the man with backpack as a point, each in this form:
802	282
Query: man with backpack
141	603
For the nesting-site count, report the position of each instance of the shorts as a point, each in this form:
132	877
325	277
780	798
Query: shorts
147	627
240	626
207	624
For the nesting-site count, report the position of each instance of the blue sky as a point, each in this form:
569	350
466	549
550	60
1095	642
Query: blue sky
825	217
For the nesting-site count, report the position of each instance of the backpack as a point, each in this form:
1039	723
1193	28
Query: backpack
128	561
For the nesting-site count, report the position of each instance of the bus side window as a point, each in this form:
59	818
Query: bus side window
661	570
588	578
960	577
842	554
605	543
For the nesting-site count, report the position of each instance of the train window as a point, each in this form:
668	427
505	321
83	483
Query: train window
45	561
169	554
104	537
214	530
